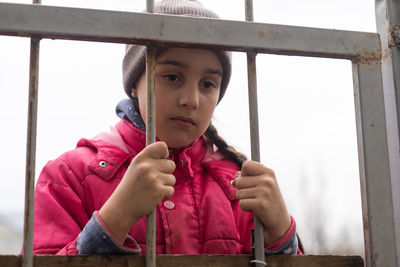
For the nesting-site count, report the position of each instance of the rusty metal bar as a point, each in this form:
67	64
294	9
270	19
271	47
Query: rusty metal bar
145	29
388	26
27	259
150	6
254	136
150	138
249	10
185	260
255	151
375	179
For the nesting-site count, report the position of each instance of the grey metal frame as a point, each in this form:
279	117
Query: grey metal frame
388	25
363	49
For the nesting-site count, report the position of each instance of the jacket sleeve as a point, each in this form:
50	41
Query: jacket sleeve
59	210
97	239
287	244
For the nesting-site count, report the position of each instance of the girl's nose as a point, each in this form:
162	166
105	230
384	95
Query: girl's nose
189	96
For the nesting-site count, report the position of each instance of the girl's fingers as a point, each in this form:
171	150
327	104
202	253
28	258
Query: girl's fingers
248	204
167	179
157	150
253	168
165	165
254	181
247	193
233	182
168	191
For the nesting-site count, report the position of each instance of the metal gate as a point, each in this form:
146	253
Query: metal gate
377	130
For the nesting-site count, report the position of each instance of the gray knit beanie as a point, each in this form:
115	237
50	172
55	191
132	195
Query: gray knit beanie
134	61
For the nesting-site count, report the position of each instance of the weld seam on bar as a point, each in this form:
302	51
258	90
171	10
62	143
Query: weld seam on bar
150	6
394	36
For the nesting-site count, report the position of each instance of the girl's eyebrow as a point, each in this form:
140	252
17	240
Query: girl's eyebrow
183	65
212	71
173	62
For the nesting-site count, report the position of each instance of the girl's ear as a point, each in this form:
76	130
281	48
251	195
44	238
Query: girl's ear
134	91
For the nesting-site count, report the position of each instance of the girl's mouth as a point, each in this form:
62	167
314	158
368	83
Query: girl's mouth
183	122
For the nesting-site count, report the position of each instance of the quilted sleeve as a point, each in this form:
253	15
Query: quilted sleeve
59	210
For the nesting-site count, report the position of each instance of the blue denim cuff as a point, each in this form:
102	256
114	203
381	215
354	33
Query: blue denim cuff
288	248
95	239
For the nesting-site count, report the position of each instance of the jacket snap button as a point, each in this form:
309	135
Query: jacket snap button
182	163
103	164
169	204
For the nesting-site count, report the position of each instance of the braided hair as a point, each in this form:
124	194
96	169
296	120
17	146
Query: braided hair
227	150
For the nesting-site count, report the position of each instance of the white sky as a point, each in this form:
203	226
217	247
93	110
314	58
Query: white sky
306	107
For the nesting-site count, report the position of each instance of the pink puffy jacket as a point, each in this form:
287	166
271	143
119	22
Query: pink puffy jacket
202	217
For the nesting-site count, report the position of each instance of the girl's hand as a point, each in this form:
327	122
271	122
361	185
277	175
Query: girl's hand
258	192
147	181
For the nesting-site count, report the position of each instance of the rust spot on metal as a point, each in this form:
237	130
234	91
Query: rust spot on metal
375	258
370	57
160	31
394	36
261	34
366	223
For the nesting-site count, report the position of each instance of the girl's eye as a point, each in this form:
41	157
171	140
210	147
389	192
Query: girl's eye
171	77
209	85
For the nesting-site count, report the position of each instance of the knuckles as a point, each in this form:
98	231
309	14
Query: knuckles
268	182
143	168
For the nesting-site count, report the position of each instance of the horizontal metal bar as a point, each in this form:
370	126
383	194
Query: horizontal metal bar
140	28
185	260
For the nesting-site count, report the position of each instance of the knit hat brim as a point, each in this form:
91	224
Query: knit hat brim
134	62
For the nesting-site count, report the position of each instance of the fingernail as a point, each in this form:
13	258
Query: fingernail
232	183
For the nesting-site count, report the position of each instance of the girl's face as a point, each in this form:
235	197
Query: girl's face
187	86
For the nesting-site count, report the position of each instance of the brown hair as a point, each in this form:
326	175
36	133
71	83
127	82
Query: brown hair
227	150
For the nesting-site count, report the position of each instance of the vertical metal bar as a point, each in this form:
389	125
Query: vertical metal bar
255	150
27	256
375	180
388	26
254	136
249	10
150	6
150	138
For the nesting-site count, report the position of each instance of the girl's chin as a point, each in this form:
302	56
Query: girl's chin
177	143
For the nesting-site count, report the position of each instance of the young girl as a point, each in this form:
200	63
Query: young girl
94	199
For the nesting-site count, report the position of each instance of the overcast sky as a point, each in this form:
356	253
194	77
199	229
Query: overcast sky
306	106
